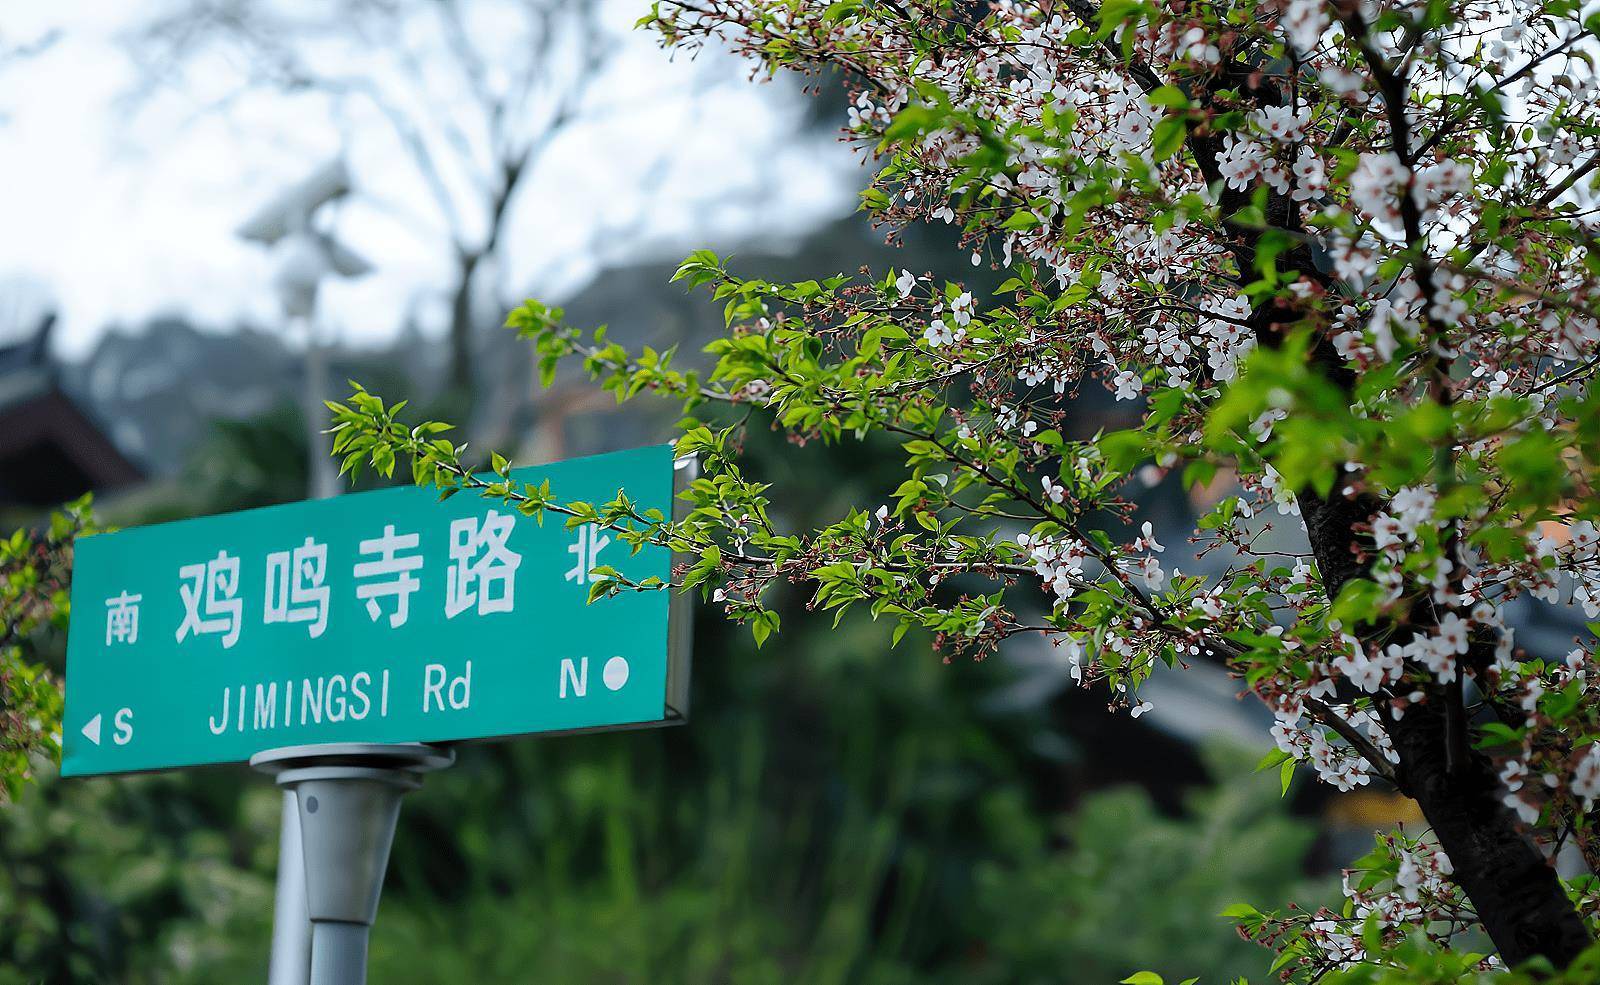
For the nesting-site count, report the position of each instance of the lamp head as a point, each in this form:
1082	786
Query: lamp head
291	210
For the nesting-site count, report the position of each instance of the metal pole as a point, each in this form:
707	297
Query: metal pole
291	927
347	802
339	952
324	478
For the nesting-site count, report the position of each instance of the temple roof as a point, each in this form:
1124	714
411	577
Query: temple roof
51	448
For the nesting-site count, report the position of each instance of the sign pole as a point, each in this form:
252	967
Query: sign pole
291	928
370	624
347	803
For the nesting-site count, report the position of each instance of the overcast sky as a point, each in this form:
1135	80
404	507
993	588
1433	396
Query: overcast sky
121	215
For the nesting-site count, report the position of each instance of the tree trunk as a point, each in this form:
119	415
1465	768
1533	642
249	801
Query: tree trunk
459	380
467	262
1513	888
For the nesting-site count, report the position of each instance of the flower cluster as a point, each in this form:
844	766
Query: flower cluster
1336	762
1402	885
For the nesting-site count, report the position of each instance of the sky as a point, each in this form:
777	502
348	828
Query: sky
121	208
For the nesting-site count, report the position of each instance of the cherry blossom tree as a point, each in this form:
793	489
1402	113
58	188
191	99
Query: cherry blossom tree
1341	259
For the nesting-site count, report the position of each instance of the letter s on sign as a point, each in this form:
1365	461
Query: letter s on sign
124	722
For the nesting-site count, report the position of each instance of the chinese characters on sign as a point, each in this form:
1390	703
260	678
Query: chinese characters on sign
481	576
220	580
389	563
295	592
487	580
122	619
587	548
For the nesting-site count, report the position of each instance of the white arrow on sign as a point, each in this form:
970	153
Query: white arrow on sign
91	731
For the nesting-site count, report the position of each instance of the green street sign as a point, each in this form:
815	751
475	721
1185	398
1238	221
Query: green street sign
384	616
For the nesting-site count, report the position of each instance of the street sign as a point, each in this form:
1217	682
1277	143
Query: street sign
384	616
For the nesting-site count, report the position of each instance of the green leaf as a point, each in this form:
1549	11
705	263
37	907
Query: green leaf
1021	220
1113	14
1143	978
1169	96
1358	602
762	625
1274	758
1168	137
1123	450
913	121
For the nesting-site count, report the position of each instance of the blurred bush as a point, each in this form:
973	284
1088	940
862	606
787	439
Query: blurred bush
1009	896
135	879
1139	890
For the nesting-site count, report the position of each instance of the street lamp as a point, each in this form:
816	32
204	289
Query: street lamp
303	257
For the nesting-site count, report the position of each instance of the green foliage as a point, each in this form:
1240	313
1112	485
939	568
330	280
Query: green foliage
1180	875
991	899
34	605
1420	962
986	896
138	880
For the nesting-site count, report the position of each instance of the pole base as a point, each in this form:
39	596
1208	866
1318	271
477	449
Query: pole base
339	952
348	803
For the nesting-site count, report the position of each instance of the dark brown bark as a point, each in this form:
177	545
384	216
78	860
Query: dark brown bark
1513	888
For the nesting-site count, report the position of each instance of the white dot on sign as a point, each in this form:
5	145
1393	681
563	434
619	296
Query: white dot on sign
616	673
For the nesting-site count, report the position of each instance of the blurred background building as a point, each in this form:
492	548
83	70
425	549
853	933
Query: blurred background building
51	448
